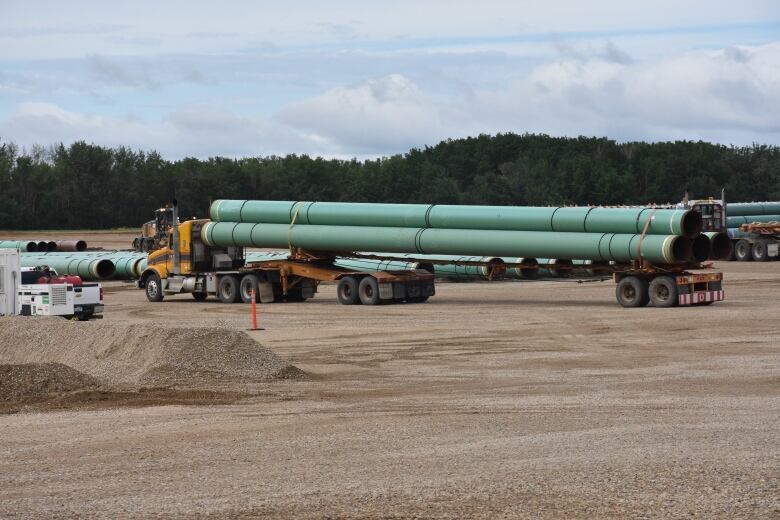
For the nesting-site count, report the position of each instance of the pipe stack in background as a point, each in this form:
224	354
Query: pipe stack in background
44	246
739	213
587	233
91	265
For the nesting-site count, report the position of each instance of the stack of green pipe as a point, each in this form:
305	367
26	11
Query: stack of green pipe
748	209
591	219
24	246
127	264
593	233
87	267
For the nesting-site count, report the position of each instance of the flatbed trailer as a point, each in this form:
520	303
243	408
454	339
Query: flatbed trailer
757	241
638	283
294	280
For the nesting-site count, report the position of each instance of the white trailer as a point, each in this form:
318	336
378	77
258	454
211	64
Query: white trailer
10	278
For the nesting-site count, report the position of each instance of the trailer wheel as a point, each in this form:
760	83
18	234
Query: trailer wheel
663	292
248	283
417	299
200	296
295	295
153	288
369	291
347	291
760	253
632	291
743	251
228	289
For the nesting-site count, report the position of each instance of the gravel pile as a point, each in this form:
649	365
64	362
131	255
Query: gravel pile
148	354
35	380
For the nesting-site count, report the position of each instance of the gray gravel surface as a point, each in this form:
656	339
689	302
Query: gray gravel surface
517	400
38	380
148	354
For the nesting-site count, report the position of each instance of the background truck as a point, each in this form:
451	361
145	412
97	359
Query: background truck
759	242
189	265
154	234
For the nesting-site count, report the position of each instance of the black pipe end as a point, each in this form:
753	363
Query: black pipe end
32	247
720	247
691	224
104	268
81	245
682	249
701	248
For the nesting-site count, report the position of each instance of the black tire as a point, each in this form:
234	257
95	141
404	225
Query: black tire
743	251
227	290
663	292
759	251
347	291
369	291
153	288
200	296
417	299
248	283
632	291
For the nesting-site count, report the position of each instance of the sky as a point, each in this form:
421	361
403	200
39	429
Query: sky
375	78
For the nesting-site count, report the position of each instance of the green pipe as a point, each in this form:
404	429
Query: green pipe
88	268
502	218
25	246
735	222
126	263
743	209
659	249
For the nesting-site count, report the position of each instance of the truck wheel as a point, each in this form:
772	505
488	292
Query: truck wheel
369	291
153	288
663	291
417	299
760	253
347	291
228	289
248	283
743	251
200	296
632	291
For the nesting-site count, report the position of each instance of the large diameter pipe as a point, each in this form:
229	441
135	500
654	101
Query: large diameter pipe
701	248
501	218
661	249
720	245
25	246
743	209
88	268
735	222
43	246
71	245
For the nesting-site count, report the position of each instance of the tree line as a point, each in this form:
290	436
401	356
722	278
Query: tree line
86	186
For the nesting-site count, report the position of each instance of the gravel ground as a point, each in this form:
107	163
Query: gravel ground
154	353
30	381
514	400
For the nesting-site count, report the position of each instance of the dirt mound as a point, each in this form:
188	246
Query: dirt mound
36	380
149	354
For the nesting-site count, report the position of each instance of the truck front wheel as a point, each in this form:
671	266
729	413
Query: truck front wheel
663	291
228	289
632	291
153	288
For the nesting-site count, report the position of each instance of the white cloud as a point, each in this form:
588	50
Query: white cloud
382	114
